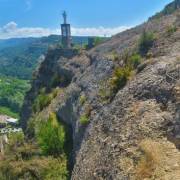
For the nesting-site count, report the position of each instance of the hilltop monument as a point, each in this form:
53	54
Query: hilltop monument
66	32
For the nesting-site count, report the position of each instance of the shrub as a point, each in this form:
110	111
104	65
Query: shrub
84	120
146	42
115	56
51	136
56	80
98	40
170	30
120	77
46	168
134	60
82	99
43	100
15	140
57	169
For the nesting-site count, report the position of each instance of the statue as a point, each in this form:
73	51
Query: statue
65	17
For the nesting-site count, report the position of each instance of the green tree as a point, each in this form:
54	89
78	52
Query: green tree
51	136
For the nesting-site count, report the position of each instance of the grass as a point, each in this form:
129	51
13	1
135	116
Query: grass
171	29
84	120
149	160
15	167
7	111
82	99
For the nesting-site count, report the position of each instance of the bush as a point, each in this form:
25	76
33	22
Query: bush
115	56
98	40
56	80
134	60
43	100
46	168
170	30
146	42
51	136
57	169
15	140
82	99
120	78
84	120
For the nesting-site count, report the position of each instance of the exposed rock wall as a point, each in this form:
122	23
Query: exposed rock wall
146	108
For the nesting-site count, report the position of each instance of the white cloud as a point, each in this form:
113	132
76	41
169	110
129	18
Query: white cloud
11	30
8	28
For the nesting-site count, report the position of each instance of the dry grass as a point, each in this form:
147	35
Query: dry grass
150	159
158	160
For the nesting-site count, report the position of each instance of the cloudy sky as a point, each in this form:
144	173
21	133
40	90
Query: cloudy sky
24	18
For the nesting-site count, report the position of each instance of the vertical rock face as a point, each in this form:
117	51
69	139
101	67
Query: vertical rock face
107	145
52	65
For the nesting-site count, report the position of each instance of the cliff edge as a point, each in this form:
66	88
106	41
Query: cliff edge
120	101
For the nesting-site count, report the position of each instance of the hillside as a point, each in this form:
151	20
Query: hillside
20	56
169	9
117	107
12	92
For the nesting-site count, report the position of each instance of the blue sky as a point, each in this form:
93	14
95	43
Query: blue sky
89	17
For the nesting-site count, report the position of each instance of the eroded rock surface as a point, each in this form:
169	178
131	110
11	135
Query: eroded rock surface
145	110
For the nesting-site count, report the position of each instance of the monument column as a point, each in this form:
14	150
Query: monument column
66	32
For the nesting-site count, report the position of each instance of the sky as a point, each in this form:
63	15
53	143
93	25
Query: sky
25	18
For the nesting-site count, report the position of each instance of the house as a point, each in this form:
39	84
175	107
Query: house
6	120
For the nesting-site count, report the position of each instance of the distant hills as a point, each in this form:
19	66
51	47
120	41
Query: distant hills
20	56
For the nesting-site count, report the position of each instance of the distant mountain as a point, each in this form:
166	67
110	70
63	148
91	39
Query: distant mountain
20	56
15	42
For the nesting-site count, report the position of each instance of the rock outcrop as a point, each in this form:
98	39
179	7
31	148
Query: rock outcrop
144	113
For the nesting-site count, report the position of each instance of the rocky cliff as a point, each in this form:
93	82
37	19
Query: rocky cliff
130	133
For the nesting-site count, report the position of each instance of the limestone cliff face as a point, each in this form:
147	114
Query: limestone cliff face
146	111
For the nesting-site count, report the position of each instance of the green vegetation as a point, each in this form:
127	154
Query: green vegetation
43	100
15	140
22	160
82	99
146	42
46	168
60	80
120	75
51	137
115	56
20	57
134	60
98	40
7	111
84	120
120	78
94	41
170	30
12	93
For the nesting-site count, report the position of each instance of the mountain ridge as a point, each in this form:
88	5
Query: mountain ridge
19	57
